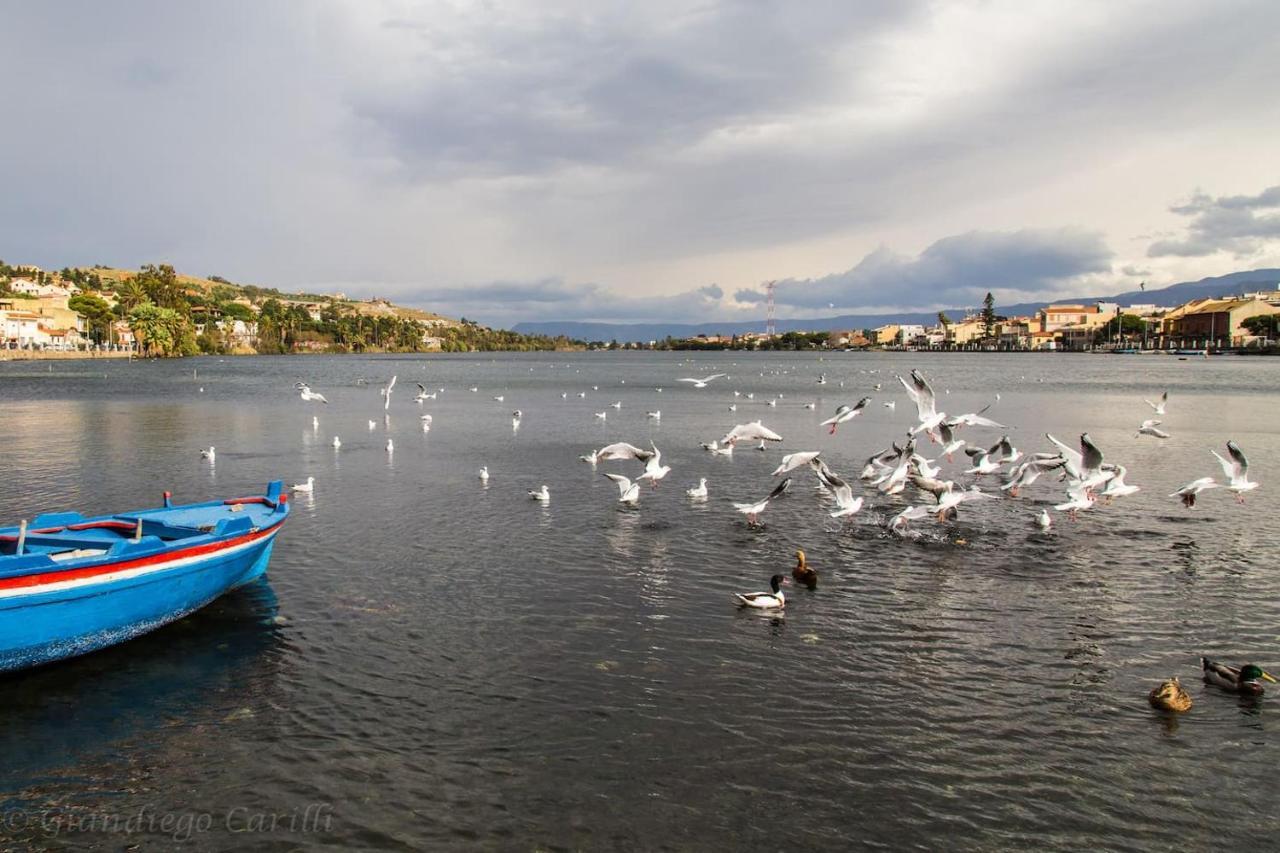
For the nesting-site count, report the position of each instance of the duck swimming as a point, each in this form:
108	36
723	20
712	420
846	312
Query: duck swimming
1247	680
765	600
803	573
1170	696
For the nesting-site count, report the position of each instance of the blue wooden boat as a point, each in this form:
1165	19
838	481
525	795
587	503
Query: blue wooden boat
70	584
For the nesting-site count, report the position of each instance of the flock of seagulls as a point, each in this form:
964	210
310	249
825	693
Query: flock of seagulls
910	471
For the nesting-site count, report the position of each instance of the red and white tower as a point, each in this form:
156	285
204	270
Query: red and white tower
770	328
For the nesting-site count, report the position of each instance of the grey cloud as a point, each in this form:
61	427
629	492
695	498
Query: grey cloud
1237	224
953	270
506	303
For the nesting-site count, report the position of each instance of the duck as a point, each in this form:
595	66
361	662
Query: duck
804	573
305	488
1247	680
765	600
1170	695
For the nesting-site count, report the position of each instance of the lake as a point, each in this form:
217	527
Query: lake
433	662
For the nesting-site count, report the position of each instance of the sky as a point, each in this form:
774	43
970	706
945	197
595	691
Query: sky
651	161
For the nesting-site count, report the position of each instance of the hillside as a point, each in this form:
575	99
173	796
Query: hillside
1174	294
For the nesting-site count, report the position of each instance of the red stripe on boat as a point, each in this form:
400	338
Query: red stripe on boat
110	568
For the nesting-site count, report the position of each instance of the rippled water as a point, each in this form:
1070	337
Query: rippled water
436	663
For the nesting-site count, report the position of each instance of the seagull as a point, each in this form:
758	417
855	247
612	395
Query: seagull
484	473
698	492
846	503
304	488
1236	470
315	422
474	390
654	470
891	405
590	458
792	461
1043	521
422	394
617	404
307	394
656	415
950	444
1116	487
982	461
1190	490
373	424
822	379
704	381
1004	452
1149	427
1158	408
517	414
754	431
844	413
208	454
499	398
973	419
1028	472
948	502
765	600
628	492
391	447
1080	498
623	450
602	415
912	513
811	406
542	494
752	511
926	406
386	393
337	442
733	407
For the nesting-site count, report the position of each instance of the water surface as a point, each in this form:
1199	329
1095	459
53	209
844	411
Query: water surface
433	662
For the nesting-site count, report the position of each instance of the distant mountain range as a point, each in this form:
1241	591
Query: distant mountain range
1174	294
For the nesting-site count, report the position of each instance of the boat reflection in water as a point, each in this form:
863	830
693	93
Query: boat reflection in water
144	697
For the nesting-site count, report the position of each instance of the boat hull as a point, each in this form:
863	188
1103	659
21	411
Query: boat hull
65	617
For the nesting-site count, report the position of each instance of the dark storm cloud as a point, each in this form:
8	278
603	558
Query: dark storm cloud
1240	224
953	270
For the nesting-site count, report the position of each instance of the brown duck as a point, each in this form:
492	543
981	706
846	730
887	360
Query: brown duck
803	573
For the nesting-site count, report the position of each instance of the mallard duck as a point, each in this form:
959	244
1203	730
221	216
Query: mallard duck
765	600
1170	696
803	573
1247	680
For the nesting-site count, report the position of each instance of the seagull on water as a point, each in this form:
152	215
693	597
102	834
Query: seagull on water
543	494
1043	521
373	424
602	415
484	473
655	415
304	488
845	413
208	454
698	492
846	503
391	448
337	442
